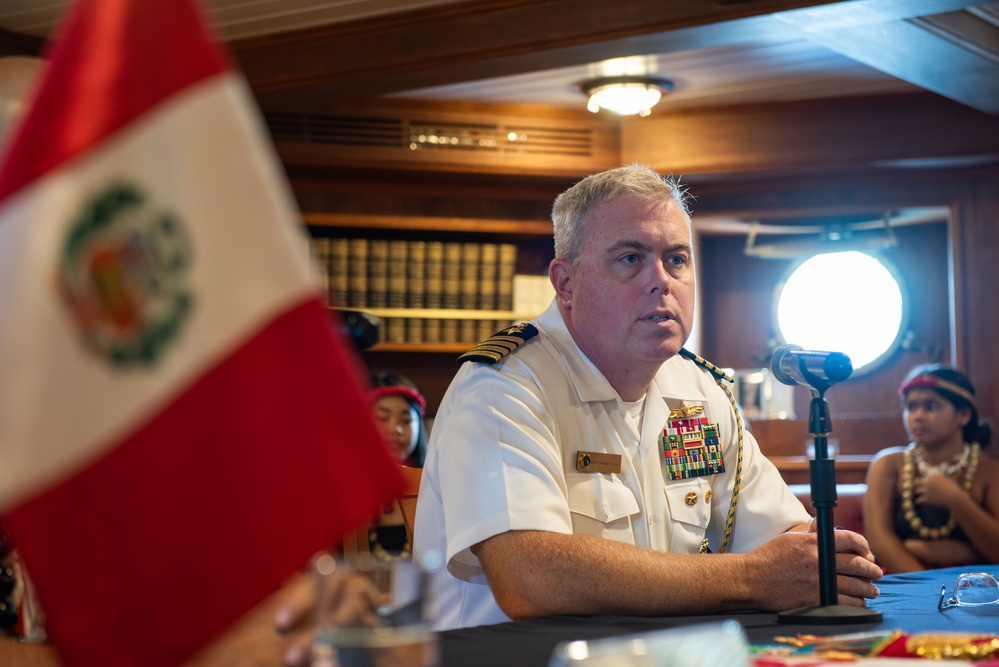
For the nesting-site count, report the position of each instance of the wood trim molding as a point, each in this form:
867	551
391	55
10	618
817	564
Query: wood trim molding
423	224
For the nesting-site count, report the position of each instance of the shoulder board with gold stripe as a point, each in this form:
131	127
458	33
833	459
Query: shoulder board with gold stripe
706	365
500	344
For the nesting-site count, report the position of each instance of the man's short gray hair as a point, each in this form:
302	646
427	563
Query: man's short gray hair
573	206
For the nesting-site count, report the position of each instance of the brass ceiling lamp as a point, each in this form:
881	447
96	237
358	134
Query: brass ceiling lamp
625	95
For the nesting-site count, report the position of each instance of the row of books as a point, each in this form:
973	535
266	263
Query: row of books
531	295
383	273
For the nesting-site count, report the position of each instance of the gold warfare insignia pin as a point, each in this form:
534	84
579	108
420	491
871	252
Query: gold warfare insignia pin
691	445
500	344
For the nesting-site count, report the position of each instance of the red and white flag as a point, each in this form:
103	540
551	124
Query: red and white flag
181	425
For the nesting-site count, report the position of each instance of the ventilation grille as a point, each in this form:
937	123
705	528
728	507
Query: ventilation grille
429	135
340	130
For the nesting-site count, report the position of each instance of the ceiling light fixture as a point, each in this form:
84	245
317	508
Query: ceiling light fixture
626	95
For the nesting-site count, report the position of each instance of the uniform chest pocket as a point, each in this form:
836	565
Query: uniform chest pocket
600	505
690	511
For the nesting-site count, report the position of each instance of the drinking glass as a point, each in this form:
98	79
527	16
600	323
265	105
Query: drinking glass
373	613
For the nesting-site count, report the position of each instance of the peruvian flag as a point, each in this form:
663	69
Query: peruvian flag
181	425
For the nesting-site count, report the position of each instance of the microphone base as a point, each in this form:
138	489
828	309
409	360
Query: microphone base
832	614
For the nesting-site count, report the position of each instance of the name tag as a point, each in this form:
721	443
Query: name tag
598	462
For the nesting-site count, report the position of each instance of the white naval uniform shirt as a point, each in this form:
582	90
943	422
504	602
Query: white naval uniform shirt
502	456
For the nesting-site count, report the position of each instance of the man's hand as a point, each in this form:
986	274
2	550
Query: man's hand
786	571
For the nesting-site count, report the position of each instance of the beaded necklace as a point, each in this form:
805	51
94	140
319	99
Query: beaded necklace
382	555
945	469
911	460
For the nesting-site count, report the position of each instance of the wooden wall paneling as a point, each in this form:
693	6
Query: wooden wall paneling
735	302
818	135
445	198
979	324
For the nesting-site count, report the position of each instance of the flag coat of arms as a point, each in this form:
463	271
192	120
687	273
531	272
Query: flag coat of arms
181	425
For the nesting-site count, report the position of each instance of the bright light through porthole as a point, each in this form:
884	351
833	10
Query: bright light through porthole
843	302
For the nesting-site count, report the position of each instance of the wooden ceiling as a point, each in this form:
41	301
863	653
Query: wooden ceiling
318	54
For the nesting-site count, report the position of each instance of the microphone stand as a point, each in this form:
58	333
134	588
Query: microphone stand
822	471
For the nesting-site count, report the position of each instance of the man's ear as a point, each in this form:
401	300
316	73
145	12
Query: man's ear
561	275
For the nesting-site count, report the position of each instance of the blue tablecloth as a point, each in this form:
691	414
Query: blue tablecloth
908	602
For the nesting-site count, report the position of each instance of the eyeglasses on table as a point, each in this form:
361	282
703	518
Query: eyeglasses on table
972	589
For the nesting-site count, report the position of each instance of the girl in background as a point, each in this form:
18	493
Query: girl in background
398	409
935	503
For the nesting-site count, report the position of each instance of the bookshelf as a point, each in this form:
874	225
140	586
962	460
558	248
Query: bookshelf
436	284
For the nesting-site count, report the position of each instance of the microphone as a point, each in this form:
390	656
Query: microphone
792	365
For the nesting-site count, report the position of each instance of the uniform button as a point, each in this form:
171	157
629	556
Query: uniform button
690	498
707	496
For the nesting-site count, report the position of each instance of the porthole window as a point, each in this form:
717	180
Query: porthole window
848	302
